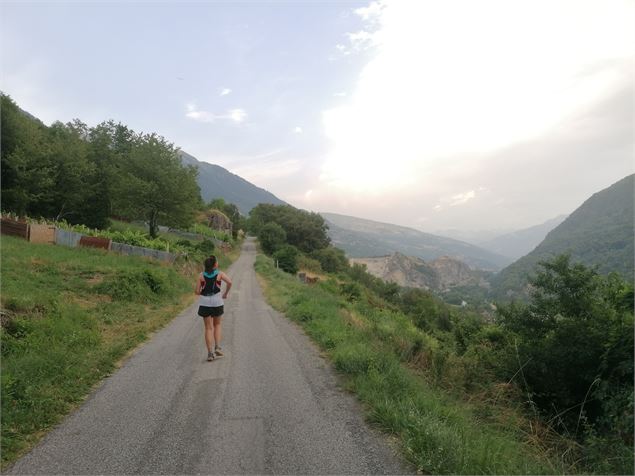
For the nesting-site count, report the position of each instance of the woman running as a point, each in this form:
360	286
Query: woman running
211	305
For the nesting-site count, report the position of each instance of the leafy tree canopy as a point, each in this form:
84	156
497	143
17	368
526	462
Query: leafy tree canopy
272	237
305	230
84	175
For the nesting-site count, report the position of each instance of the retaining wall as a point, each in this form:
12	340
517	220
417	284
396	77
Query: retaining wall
41	233
140	251
67	238
14	228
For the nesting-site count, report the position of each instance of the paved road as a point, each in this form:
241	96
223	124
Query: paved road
271	406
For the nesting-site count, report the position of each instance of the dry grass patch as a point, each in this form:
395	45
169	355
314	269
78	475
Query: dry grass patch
353	318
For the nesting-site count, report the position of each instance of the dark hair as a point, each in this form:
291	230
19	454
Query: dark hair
210	263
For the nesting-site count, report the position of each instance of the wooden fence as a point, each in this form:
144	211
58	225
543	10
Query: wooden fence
95	242
41	233
14	228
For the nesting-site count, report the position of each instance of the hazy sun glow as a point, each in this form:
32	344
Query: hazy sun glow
456	78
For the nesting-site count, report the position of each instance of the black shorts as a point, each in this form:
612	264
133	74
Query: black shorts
206	311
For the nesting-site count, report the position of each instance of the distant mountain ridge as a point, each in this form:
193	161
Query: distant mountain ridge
518	243
361	238
217	182
599	233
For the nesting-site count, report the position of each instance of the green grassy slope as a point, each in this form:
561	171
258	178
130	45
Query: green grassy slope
381	355
68	316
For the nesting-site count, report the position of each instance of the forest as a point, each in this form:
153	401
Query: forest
86	175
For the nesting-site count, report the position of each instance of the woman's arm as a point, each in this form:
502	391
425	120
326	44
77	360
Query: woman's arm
228	281
200	284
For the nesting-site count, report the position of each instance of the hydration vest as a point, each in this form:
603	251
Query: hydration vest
212	286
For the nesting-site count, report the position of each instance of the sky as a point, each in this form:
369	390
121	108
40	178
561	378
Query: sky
435	114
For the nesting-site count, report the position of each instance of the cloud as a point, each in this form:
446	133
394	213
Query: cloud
201	116
361	40
235	115
365	38
462	198
297	130
370	13
225	92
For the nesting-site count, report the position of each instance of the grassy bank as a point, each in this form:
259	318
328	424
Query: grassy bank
378	352
68	317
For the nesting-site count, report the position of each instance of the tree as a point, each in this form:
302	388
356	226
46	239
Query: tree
331	259
109	145
156	186
75	195
217	203
271	237
305	230
24	161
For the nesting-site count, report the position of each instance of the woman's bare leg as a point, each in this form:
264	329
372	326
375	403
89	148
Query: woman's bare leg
208	333
217	330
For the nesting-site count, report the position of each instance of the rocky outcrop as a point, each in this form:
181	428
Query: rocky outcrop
408	271
452	272
217	220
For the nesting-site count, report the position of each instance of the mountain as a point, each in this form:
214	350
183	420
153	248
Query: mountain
438	275
475	237
217	182
518	243
361	238
599	233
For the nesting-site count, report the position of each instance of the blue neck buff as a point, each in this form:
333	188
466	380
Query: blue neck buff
211	275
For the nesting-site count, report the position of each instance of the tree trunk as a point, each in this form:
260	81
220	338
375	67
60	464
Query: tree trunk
154	226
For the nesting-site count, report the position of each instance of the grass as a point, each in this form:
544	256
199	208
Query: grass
375	350
69	315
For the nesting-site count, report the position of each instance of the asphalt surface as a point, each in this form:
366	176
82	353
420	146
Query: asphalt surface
272	405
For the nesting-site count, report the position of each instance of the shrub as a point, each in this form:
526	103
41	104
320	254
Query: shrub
577	340
352	292
287	257
206	246
133	285
185	244
331	259
310	264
